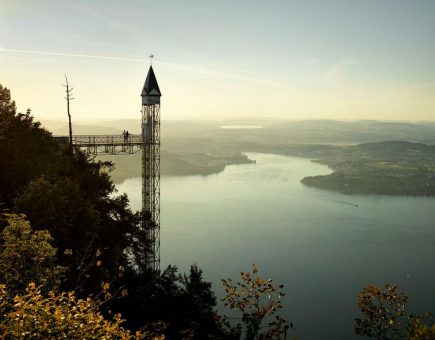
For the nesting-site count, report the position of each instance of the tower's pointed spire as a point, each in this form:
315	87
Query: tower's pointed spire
151	87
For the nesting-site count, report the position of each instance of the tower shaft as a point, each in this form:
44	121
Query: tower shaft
151	170
151	183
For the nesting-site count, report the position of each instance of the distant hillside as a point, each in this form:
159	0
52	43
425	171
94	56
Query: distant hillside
52	125
288	131
61	128
273	131
390	168
173	164
359	152
131	125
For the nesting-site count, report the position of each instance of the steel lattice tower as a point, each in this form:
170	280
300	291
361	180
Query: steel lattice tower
151	169
149	142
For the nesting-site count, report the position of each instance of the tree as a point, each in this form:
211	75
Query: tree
27	151
68	98
7	105
59	206
384	311
199	303
69	195
183	302
418	329
27	256
385	315
257	300
58	316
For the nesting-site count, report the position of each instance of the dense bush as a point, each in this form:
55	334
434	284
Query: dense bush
32	315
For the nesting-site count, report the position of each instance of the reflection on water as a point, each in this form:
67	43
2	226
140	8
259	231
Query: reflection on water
323	246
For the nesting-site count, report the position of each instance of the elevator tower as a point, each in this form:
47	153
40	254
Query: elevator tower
151	169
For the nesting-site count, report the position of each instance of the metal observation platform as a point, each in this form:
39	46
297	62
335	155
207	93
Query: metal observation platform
149	143
108	144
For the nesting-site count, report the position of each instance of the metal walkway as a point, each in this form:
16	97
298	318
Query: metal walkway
106	144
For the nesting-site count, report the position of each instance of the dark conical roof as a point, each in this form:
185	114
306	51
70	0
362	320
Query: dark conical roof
151	88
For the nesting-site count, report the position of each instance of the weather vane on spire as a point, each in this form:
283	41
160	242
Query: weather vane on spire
151	59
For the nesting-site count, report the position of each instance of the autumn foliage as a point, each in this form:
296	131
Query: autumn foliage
62	315
257	300
385	316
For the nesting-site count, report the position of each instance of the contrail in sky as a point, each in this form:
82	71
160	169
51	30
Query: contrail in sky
74	55
183	67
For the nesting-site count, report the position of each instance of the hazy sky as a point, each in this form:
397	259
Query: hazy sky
347	59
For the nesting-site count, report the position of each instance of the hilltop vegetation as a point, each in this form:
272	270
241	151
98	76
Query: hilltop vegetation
390	168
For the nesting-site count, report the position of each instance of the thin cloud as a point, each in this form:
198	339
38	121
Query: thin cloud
336	75
59	54
176	66
109	21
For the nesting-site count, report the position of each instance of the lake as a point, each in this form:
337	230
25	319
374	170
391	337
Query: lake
323	246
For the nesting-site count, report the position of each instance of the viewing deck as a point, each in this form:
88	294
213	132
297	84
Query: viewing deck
106	144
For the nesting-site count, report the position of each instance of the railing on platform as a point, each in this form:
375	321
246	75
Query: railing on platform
105	144
83	140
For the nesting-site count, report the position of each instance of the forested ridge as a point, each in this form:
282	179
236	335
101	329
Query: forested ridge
72	251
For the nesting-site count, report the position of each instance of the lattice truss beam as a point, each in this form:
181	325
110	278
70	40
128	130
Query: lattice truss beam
108	144
151	182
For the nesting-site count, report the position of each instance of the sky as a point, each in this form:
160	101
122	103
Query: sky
305	59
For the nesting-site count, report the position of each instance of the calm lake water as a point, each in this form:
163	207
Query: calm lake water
323	246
